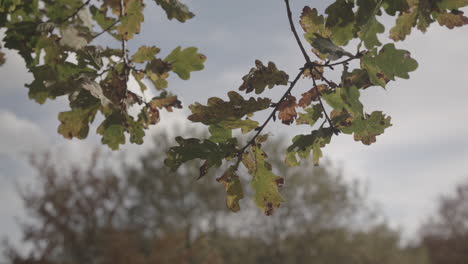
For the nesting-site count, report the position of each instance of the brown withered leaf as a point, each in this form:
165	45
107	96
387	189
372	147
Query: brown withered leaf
148	116
287	110
358	78
341	119
452	19
167	102
312	95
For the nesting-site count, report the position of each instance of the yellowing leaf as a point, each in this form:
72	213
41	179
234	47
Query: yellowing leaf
145	53
157	71
131	22
264	182
366	128
164	101
233	188
75	123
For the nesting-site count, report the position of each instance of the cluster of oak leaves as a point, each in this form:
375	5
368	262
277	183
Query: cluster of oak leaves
55	38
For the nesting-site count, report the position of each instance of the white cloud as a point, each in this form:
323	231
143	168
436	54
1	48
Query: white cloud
19	135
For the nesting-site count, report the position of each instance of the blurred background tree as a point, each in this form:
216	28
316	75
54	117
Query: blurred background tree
147	214
446	234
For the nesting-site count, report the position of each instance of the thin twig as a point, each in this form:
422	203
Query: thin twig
293	29
341	62
273	113
331	84
106	29
75	12
124	42
319	96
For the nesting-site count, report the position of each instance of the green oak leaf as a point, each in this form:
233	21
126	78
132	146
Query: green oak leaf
185	61
340	13
345	98
388	64
130	24
217	110
394	6
136	129
340	21
9	5
145	53
193	148
366	128
264	182
369	33
175	9
311	116
233	188
304	144
104	21
219	133
112	130
262	76
246	125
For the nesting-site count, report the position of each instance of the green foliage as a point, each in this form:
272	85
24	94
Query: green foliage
387	64
57	42
185	61
304	144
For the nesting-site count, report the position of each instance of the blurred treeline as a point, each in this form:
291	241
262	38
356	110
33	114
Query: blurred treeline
142	213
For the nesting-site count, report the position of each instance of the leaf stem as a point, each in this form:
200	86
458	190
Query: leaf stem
293	29
335	130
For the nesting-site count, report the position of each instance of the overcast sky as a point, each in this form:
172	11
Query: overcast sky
424	154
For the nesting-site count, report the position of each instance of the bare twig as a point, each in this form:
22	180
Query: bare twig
293	29
75	12
106	29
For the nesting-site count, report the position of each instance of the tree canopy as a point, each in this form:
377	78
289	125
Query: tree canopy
59	42
92	214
